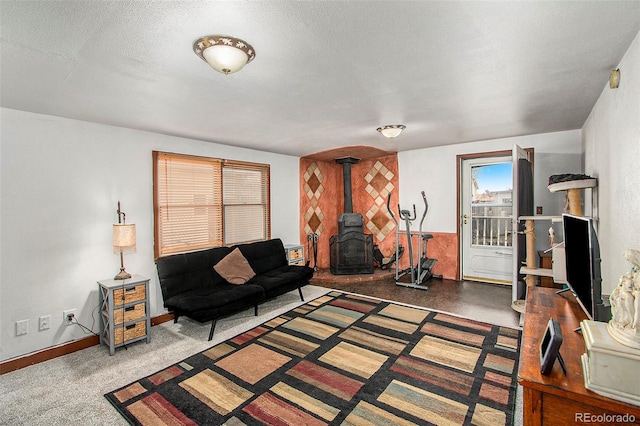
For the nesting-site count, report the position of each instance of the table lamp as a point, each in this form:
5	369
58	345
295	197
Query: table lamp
124	241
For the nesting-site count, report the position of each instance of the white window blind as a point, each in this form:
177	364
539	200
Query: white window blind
204	202
246	206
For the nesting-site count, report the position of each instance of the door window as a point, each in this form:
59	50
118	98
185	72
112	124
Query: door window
491	205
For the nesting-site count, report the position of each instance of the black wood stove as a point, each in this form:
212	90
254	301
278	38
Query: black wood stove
351	250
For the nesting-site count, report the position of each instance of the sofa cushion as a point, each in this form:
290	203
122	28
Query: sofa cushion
283	279
264	256
234	268
189	271
205	304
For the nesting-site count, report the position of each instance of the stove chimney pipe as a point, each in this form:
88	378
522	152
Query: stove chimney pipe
346	177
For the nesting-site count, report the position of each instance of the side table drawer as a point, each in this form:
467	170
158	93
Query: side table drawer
130	294
129	332
295	254
130	313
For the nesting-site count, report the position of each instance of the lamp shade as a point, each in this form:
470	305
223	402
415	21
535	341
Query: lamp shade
124	238
223	53
225	59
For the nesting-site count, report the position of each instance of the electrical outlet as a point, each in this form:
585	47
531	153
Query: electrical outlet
65	316
538	209
45	322
22	327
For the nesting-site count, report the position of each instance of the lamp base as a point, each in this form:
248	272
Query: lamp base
122	275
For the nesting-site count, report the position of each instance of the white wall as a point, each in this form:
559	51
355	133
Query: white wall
433	170
60	181
611	137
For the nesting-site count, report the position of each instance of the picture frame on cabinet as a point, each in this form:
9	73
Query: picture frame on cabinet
550	348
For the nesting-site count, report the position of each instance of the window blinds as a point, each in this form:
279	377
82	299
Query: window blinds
246	207
204	202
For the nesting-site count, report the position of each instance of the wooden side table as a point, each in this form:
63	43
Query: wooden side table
124	311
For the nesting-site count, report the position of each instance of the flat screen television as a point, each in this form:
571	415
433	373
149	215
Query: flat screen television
582	257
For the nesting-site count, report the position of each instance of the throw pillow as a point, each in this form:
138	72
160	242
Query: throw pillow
235	268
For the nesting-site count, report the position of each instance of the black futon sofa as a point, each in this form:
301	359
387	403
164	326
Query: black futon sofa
191	286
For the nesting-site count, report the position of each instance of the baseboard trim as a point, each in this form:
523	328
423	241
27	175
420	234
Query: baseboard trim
161	318
64	349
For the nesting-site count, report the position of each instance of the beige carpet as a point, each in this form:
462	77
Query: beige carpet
69	390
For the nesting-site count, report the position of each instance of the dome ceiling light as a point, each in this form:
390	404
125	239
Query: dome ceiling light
225	54
392	130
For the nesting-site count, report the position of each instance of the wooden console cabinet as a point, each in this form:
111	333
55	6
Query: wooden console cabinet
557	399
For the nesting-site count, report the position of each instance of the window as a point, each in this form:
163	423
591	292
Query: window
204	202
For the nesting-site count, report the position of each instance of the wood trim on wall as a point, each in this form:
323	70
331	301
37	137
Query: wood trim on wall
64	349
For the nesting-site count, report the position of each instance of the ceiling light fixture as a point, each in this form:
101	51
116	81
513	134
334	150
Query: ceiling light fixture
225	54
392	130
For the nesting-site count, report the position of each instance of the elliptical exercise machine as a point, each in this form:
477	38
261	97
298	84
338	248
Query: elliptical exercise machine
422	272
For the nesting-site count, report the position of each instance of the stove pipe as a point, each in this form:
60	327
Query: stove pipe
346	177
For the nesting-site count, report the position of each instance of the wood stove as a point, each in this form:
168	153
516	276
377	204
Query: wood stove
351	250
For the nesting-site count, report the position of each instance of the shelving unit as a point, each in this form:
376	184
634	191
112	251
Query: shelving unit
573	188
574	202
531	270
124	311
295	254
537	272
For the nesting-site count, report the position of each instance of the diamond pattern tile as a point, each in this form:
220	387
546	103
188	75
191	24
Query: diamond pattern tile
379	182
313	181
379	186
313	188
313	221
379	222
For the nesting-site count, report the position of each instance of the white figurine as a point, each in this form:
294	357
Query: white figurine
636	308
625	304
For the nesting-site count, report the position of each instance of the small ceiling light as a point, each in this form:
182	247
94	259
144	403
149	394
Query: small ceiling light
225	54
392	130
614	79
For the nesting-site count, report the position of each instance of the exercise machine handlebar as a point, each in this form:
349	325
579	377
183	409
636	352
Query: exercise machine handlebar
389	209
426	208
406	214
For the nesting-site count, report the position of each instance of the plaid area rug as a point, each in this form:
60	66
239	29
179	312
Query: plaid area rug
340	359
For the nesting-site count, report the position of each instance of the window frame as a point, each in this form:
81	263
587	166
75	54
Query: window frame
265	188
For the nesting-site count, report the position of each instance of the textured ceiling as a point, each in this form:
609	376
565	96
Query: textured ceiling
326	73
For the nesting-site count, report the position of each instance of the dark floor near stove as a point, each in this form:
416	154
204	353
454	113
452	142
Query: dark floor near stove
479	301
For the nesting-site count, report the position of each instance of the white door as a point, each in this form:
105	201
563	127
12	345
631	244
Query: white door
487	219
